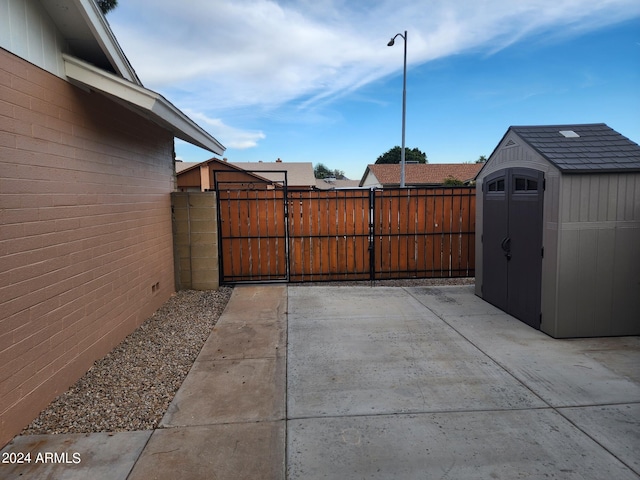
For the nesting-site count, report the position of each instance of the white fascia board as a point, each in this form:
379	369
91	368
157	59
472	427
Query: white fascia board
104	36
143	101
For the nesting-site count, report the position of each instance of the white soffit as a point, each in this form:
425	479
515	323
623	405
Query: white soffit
89	36
144	102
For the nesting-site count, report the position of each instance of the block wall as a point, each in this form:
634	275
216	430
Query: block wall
195	240
86	250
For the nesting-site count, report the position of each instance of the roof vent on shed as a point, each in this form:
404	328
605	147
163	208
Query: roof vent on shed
569	134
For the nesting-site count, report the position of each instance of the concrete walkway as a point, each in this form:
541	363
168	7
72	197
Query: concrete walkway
386	383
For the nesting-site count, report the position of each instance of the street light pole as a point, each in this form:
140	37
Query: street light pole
404	104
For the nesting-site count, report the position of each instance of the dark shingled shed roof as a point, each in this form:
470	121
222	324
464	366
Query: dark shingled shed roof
591	148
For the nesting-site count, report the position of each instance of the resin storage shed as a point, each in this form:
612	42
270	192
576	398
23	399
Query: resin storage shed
558	230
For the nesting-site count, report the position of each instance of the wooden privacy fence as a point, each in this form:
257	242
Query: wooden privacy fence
423	233
299	236
329	235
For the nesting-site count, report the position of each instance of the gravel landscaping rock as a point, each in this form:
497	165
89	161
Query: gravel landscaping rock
132	387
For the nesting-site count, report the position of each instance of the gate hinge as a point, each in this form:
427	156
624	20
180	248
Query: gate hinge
544	184
542	252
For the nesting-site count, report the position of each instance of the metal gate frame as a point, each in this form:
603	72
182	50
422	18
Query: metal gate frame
269	186
312	252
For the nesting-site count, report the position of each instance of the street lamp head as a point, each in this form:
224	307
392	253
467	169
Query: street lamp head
393	40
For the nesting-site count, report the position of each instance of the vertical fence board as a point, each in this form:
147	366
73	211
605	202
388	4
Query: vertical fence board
412	238
438	228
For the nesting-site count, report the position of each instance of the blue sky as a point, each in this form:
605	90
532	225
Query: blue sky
314	80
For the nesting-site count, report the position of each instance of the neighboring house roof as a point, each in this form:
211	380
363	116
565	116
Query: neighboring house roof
85	52
183	166
333	183
591	148
216	164
299	174
420	173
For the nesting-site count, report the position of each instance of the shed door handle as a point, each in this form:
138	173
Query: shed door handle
506	244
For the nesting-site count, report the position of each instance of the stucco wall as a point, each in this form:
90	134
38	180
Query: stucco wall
85	233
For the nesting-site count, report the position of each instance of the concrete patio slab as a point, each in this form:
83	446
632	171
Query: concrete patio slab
619	354
235	451
562	372
383	352
533	444
482	389
236	341
256	304
227	391
328	303
100	456
615	427
453	301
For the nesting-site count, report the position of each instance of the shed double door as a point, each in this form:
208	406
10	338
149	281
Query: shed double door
512	242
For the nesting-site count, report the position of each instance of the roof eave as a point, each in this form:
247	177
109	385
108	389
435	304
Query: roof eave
492	153
107	40
570	171
146	103
89	36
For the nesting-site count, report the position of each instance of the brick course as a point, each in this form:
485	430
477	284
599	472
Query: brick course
85	231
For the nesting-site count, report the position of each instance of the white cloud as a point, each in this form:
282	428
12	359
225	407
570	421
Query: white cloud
266	52
231	137
218	55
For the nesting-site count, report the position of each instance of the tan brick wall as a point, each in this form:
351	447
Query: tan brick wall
195	237
85	233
